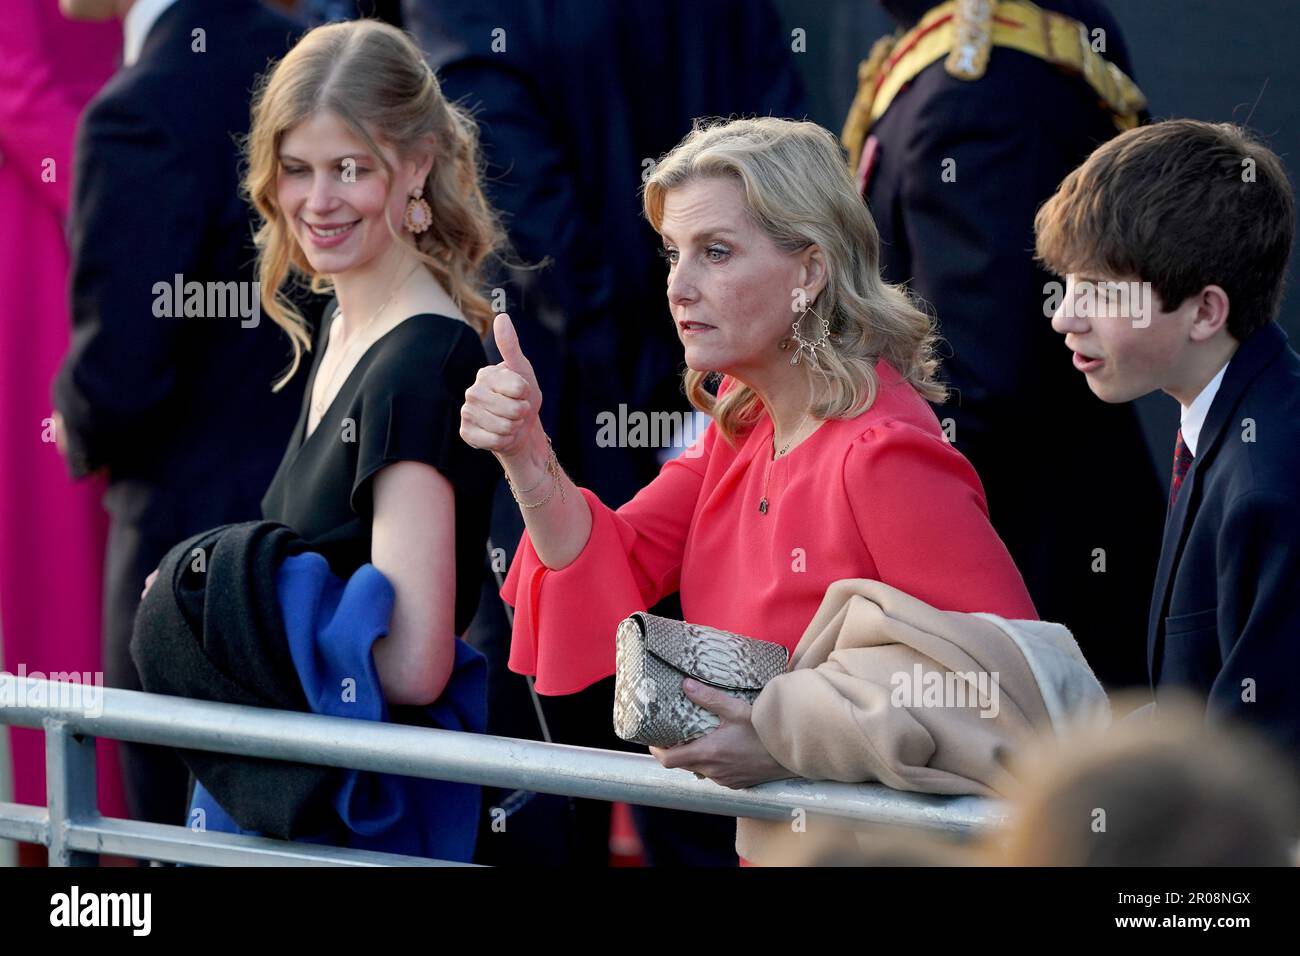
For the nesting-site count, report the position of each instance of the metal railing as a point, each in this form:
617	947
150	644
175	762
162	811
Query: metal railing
75	832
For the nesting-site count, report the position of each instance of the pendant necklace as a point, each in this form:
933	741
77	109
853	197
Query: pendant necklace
767	474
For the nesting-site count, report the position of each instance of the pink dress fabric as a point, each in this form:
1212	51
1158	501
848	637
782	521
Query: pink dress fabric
879	496
52	531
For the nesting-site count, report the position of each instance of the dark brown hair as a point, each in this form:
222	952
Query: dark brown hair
1181	204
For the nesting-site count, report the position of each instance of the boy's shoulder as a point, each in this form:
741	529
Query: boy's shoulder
1259	449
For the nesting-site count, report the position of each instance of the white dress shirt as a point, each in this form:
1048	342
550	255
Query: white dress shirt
139	21
1193	416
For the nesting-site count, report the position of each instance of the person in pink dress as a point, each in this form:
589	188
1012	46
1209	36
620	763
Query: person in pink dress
52	530
822	461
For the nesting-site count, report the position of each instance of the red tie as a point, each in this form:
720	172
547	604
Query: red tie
1182	461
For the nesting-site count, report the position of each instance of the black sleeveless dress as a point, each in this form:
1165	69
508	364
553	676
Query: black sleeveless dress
401	402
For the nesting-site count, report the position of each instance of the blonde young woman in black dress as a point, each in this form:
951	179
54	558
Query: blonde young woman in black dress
367	182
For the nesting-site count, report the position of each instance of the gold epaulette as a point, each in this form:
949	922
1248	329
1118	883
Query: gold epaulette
859	120
964	31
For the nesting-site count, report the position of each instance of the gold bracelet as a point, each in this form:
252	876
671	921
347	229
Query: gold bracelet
537	504
538	483
557	482
553	471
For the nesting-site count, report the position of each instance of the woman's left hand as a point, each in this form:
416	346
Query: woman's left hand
732	754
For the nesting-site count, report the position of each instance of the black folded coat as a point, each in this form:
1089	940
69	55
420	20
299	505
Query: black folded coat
211	629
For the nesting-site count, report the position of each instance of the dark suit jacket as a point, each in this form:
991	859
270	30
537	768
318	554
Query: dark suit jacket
1025	418
581	100
180	410
1226	605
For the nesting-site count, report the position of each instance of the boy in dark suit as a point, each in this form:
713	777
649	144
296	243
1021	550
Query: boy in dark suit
1174	241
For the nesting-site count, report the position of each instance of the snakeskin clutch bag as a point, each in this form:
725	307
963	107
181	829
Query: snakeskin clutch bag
654	654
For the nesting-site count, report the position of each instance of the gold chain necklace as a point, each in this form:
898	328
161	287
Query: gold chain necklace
767	474
319	404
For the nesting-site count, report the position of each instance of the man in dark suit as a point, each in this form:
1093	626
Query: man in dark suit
1204	215
576	101
167	384
963	124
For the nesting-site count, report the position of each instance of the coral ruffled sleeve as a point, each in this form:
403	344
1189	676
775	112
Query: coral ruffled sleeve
565	620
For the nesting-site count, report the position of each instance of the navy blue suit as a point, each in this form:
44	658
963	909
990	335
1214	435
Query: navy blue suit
1225	612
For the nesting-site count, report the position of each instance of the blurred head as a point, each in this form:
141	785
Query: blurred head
94	10
1174	240
345	128
830	842
760	220
1168	792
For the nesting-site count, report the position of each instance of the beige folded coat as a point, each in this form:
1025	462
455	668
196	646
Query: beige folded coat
885	688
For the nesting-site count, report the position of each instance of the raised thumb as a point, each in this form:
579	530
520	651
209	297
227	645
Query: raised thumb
508	345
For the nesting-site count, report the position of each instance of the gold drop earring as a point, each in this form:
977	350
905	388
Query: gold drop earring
419	216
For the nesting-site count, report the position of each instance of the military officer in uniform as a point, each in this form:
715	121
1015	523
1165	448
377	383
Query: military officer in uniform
965	121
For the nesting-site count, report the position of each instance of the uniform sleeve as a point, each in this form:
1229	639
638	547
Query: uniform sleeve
921	512
410	411
565	620
972	244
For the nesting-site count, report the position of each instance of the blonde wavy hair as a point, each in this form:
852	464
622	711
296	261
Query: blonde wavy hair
373	78
799	191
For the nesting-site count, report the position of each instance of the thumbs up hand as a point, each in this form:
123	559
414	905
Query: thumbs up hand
513	356
501	408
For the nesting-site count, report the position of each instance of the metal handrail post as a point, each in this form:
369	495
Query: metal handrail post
70	790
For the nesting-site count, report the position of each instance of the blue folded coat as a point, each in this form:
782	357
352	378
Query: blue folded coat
331	626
